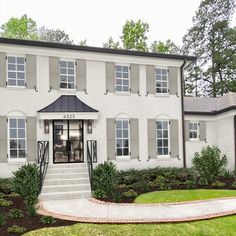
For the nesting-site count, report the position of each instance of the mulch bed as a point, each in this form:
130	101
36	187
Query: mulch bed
29	222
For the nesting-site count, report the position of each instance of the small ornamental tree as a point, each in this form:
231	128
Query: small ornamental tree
209	163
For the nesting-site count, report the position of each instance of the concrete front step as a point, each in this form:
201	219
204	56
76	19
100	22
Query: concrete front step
72	165
65	188
67	175
50	182
66	170
64	195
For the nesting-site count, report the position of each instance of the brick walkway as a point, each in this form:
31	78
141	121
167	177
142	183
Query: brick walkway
91	210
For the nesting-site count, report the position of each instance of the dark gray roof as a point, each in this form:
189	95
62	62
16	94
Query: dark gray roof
201	105
68	103
94	49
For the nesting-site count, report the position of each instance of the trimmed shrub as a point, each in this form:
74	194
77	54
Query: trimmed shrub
26	182
16	229
218	184
160	183
5	186
105	179
15	213
234	184
5	203
130	193
209	164
47	220
2	219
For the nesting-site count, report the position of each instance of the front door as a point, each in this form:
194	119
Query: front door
68	145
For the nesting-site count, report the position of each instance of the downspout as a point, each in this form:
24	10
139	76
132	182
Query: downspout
235	142
182	107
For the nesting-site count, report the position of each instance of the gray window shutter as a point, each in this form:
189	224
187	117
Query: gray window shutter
152	153
186	129
174	138
81	75
3	139
54	80
3	76
111	152
150	79
31	71
110	77
134	78
31	138
202	130
134	138
173	80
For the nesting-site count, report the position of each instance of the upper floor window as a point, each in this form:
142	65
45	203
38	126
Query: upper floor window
67	74
17	138
193	130
122	78
161	81
16	71
122	137
162	128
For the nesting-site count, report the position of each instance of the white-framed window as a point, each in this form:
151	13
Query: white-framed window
162	137
122	78
67	74
194	130
122	137
162	81
16	71
17	138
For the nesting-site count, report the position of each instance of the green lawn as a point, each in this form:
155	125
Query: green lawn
183	195
215	227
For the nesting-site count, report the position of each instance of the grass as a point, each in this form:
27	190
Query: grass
183	195
215	227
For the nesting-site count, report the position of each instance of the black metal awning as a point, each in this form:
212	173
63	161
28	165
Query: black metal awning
68	103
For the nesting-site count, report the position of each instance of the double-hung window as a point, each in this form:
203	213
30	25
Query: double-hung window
122	137
17	138
16	71
161	81
67	74
162	137
122	78
194	130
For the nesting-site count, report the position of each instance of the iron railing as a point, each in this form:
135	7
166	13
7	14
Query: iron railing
91	158
43	158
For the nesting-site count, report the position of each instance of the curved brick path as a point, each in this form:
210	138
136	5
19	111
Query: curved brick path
91	210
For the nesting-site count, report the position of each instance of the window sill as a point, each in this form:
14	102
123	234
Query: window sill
67	90
162	95
194	140
17	160
123	158
16	87
123	93
163	158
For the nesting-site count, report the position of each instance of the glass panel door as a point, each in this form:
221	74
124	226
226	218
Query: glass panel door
68	141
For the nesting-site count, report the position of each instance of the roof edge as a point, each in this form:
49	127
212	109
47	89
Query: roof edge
94	49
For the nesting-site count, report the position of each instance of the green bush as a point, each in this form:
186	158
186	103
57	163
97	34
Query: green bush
117	197
2	219
5	186
26	182
47	220
105	179
15	229
31	210
209	164
218	184
98	193
15	213
160	183
234	184
5	203
130	193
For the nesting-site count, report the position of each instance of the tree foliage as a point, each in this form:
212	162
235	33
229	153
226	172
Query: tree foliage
213	41
112	44
20	28
55	36
164	47
134	35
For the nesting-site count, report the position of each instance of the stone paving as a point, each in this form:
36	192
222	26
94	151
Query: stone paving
91	210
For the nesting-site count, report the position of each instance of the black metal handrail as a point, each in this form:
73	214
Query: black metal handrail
43	159
91	158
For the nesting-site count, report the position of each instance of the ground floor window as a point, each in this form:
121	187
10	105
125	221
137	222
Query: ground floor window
17	138
193	130
122	137
162	129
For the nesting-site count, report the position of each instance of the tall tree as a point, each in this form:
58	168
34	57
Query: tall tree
55	36
213	41
112	44
164	47
134	35
20	28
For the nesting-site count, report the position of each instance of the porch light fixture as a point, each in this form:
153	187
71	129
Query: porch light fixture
89	127
46	126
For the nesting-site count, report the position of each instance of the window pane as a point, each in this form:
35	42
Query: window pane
165	142
21	123
125	124
20	75
126	89
118	75
12	123
119	143
13	153
125	68
62	63
118	88
165	134
11	67
71	78
125	133
159	151
20	60
71	64
119	152
11	82
125	75
12	133
21	133
126	143
11	60
164	125
71	85
118	124
118	68
126	151
165	151
12	75
13	144
159	143
71	71
159	133
20	82
20	67
159	125
62	71
21	144
118	133
126	82
21	153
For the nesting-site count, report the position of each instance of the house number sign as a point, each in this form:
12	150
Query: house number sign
69	116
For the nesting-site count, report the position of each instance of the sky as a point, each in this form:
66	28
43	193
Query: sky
97	20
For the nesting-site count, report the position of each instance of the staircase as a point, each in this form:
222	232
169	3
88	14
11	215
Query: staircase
66	181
